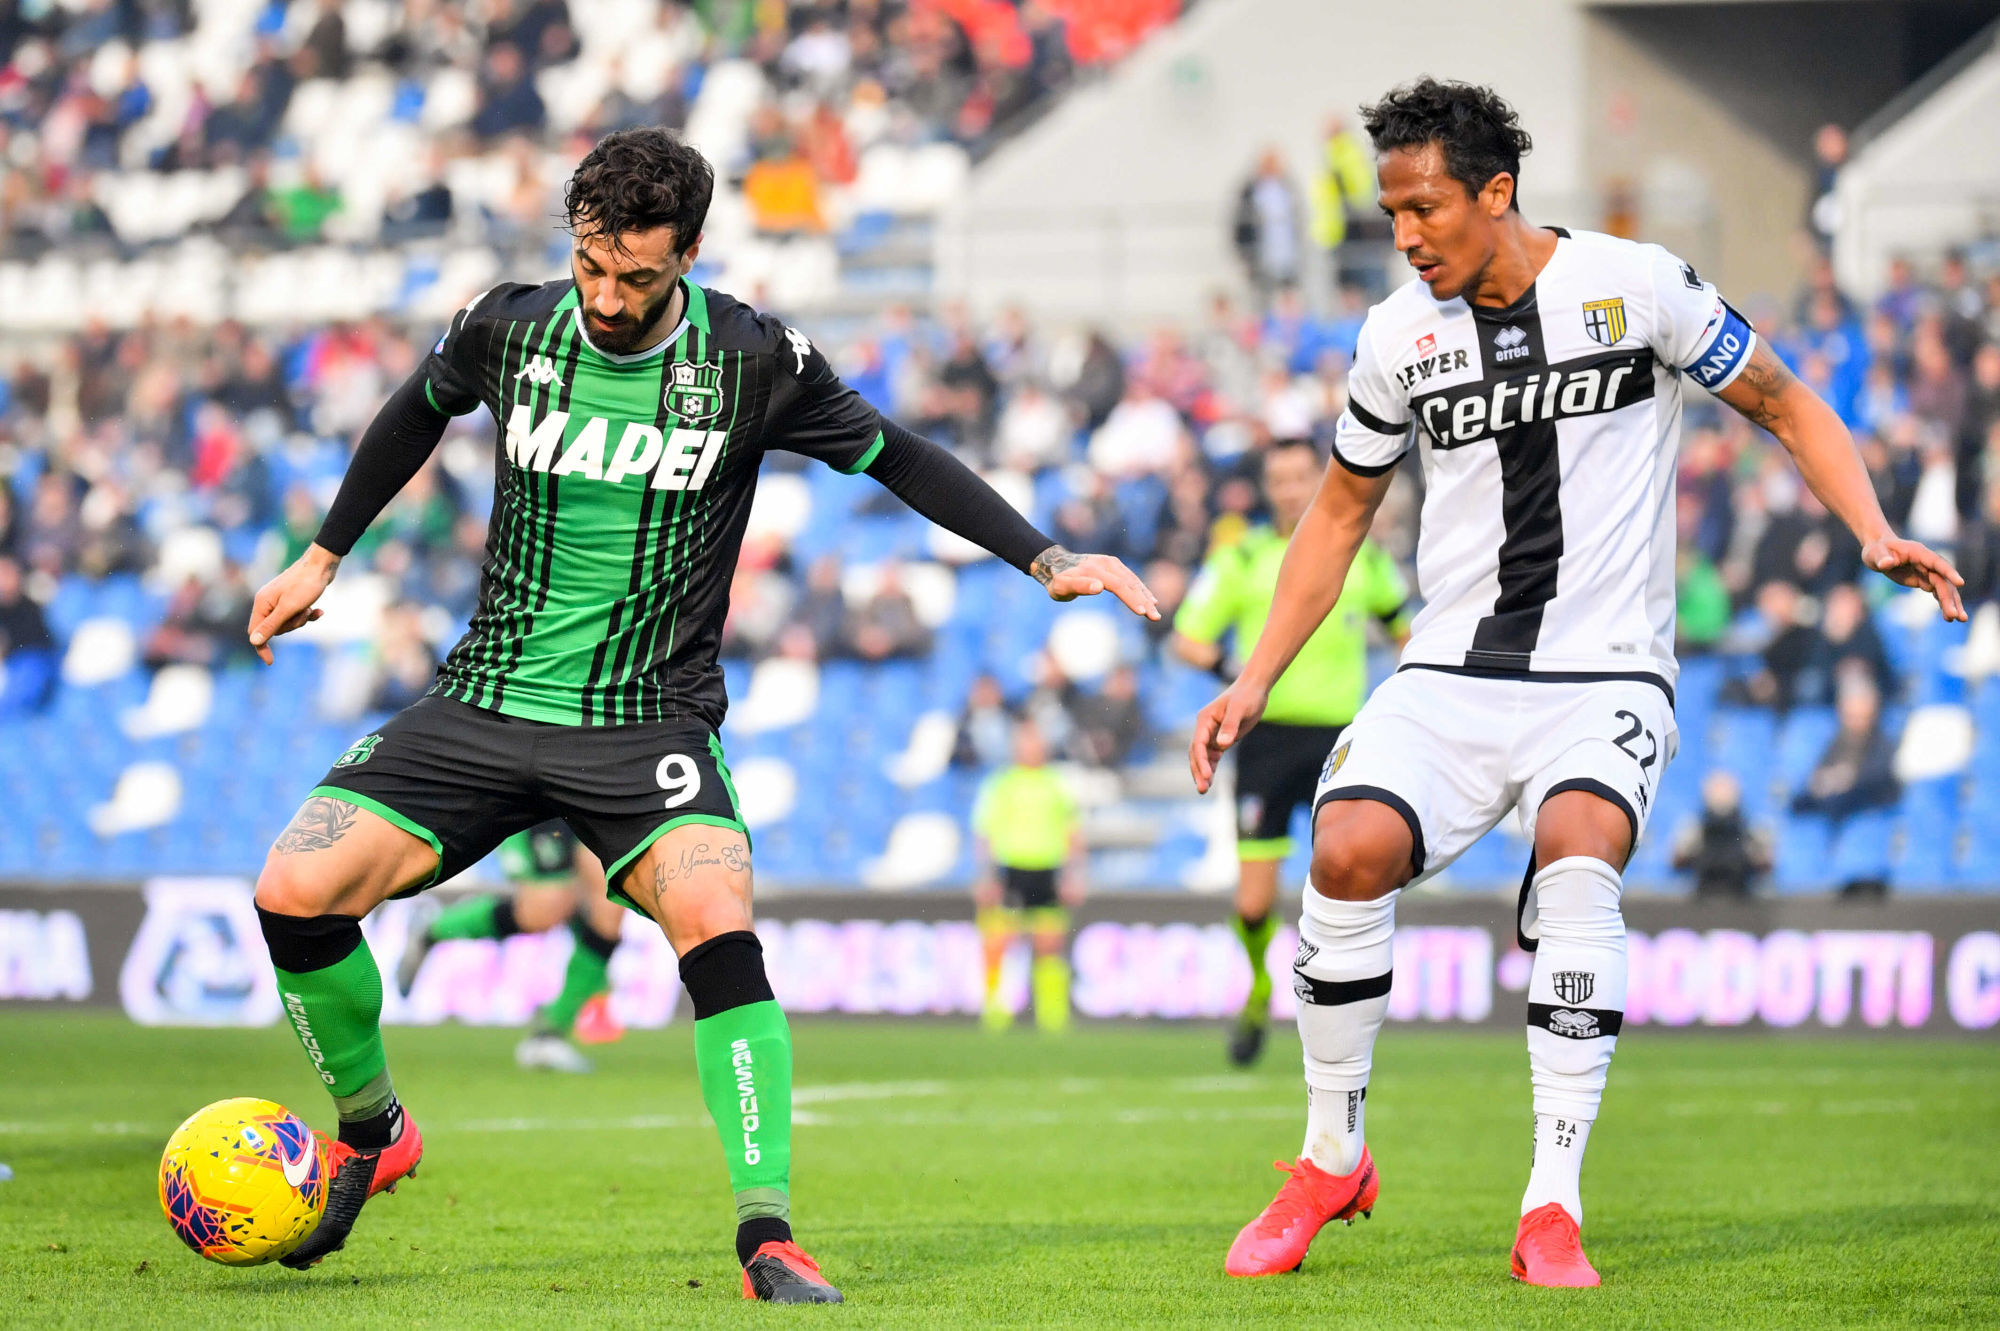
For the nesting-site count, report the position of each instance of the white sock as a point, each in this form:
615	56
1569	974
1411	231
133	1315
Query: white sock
1334	1136
1576	1003
1341	976
1557	1173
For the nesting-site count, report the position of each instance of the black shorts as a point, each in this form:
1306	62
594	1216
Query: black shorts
465	779
1277	770
545	853
1027	889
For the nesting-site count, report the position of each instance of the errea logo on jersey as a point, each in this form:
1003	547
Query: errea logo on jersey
681	460
540	370
1510	343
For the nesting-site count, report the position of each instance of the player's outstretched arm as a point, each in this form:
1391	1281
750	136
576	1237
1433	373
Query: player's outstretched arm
1309	582
393	448
1768	394
936	484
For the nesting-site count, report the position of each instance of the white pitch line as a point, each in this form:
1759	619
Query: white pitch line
866	1090
1869	1107
98	1129
1222	1084
803	1095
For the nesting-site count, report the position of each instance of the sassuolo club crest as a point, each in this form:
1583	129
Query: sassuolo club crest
694	392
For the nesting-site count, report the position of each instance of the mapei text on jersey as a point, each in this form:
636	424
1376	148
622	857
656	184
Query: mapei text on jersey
677	460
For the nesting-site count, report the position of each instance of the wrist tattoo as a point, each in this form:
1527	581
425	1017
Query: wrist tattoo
1052	561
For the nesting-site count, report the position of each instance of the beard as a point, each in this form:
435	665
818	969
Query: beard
631	332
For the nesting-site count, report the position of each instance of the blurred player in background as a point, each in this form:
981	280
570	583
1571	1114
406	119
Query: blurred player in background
1030	850
632	411
555	881
1542	374
1278	764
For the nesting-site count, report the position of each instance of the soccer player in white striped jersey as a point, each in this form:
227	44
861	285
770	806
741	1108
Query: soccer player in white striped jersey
1540	375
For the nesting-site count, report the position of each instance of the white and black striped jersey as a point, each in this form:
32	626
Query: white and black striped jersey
1548	432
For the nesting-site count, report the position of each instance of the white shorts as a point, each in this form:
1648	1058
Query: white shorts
1453	754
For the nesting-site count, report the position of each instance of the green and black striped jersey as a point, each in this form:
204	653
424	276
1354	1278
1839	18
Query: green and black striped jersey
622	486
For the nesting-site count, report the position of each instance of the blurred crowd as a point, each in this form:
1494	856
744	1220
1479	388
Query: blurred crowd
79	95
122	442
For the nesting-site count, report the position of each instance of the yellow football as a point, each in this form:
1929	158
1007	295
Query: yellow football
243	1181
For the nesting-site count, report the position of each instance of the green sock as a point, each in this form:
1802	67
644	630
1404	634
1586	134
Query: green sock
471	918
588	975
1050	978
744	1057
1256	940
337	1014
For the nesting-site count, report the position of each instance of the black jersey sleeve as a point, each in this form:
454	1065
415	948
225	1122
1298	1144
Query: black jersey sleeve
810	410
451	372
395	445
936	484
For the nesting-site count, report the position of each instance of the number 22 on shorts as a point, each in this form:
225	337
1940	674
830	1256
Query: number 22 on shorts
1627	742
678	775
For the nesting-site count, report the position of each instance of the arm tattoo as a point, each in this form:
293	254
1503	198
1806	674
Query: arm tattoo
1767	375
319	823
1052	561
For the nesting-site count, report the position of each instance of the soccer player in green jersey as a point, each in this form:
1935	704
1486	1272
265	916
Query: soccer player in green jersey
632	410
555	881
1278	764
1030	852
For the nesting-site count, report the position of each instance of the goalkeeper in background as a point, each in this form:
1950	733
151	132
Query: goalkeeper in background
555	879
1030	876
1278	763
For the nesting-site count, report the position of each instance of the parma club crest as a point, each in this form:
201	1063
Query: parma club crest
1333	763
694	392
1575	987
1604	320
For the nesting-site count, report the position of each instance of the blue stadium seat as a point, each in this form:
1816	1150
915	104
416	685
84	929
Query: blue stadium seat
1802	738
1979	862
1803	854
1862	845
1743	740
1928	834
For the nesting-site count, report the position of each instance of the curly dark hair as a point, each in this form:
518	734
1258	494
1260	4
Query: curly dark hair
637	179
1479	132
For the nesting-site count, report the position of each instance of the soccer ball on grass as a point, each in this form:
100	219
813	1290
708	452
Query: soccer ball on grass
243	1181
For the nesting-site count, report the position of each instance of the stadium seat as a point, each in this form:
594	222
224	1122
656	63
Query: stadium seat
1862	846
1801	740
1803	854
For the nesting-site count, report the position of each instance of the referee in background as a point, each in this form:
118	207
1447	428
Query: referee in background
1278	763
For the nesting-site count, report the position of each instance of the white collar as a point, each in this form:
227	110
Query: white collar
658	349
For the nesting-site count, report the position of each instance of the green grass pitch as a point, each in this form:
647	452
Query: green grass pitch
946	1179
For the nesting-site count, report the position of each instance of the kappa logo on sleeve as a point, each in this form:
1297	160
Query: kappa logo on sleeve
801	347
